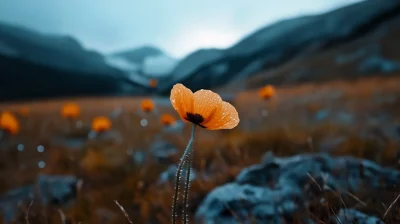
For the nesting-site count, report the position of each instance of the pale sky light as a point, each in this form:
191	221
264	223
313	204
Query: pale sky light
176	26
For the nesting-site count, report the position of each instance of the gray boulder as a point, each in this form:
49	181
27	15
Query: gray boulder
57	190
354	216
169	174
163	151
278	189
377	63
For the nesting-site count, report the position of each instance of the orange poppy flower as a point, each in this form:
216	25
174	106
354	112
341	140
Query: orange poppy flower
9	123
267	92
147	105
70	110
24	111
167	120
204	108
101	124
153	83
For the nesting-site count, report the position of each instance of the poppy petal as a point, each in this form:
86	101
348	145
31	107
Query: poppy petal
206	103
182	100
225	118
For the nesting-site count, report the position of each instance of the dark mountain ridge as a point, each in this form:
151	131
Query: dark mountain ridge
275	45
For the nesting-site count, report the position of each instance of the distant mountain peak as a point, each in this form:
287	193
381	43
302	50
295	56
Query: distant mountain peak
138	55
149	60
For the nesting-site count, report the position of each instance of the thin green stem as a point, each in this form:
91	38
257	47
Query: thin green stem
189	159
178	174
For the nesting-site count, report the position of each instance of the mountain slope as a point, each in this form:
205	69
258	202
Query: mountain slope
35	65
22	80
377	53
193	61
273	46
62	52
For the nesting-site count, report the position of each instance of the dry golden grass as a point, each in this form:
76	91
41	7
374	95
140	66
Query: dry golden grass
285	124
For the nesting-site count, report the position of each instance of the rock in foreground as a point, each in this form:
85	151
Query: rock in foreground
285	190
49	189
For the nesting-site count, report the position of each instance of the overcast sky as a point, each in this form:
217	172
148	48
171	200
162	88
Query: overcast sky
176	26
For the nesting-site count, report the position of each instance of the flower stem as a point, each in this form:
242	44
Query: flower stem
178	173
189	159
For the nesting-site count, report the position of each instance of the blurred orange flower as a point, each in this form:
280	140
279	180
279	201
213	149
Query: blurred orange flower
153	83
101	124
167	120
267	92
204	108
24	111
9	123
70	110
147	105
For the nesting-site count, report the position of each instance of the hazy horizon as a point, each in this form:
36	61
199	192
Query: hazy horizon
175	26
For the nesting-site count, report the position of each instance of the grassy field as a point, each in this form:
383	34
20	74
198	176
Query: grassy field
343	118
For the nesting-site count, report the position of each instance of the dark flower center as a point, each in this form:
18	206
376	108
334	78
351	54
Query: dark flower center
195	118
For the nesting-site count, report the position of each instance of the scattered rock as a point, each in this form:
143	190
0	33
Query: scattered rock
268	157
163	151
350	57
344	118
74	139
9	202
398	130
49	189
57	189
71	143
116	112
139	157
177	127
354	216
282	187
169	174
379	64
321	115
107	137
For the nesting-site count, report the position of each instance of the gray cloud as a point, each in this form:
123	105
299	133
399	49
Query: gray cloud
177	26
